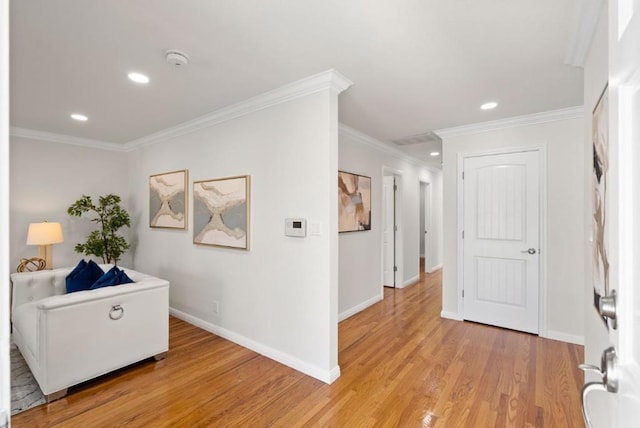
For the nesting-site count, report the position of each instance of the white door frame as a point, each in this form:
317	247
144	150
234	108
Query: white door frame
542	295
428	267
386	171
5	391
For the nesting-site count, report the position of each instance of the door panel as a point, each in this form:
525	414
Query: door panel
501	210
388	200
615	401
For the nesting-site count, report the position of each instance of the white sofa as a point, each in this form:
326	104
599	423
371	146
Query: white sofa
67	339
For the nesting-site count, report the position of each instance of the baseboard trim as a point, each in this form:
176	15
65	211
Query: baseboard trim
436	267
564	337
359	307
411	281
326	376
451	315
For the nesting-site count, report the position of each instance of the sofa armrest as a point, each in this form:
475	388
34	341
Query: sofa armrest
79	340
79	297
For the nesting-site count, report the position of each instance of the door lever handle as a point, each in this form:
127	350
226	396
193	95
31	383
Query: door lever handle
609	374
529	251
591	368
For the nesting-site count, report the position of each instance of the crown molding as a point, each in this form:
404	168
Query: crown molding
513	122
585	19
371	142
65	139
330	79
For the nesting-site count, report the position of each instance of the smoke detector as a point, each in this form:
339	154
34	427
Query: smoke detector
177	58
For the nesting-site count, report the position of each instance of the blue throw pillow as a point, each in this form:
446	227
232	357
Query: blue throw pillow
123	278
109	278
81	265
83	276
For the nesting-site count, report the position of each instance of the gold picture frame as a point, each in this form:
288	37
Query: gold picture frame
221	212
168	200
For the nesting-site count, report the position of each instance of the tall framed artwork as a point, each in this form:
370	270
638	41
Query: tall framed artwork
168	200
354	202
221	212
600	137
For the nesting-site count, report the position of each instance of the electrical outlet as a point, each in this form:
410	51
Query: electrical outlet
216	307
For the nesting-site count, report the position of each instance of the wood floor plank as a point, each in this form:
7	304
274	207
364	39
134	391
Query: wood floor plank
401	366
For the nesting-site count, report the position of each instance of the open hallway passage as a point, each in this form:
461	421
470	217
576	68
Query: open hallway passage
402	366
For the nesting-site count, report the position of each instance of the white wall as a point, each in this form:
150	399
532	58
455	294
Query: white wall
360	270
279	298
564	142
46	178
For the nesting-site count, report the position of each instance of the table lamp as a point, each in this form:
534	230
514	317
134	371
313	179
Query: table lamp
45	234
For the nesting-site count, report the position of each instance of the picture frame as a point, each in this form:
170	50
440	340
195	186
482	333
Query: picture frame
221	212
168	200
600	139
354	202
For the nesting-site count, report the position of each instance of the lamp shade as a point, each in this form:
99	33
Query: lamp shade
44	234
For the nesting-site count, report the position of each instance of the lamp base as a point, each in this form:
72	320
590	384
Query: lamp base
46	252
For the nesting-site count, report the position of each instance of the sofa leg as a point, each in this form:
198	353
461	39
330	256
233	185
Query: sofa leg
160	356
56	395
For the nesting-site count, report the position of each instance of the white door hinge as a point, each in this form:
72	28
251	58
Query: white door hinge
463	234
463	293
395	268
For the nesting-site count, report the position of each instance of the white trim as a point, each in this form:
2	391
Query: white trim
585	19
386	149
513	122
326	376
66	139
330	79
359	307
564	337
451	315
411	281
542	290
436	267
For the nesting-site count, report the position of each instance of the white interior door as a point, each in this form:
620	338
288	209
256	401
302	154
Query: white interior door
501	240
427	228
389	228
622	379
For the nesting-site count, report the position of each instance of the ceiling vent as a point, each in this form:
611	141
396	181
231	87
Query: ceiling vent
176	58
427	137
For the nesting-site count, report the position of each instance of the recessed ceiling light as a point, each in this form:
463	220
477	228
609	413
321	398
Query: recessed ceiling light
434	154
138	78
79	117
489	106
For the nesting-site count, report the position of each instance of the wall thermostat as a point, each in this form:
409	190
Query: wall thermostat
295	227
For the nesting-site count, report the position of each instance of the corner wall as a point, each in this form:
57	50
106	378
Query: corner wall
360	271
46	178
564	142
279	298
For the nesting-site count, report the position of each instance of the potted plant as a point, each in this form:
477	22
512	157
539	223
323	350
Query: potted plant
103	242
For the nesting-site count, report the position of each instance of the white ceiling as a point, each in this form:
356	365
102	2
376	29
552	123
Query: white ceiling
416	65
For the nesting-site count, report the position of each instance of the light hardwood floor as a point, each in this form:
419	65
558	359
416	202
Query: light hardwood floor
402	365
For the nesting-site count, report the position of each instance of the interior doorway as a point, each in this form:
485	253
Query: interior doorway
392	254
389	189
426	262
501	239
